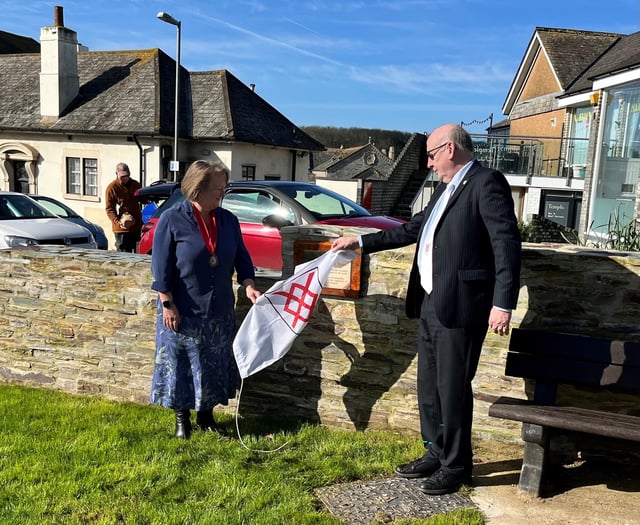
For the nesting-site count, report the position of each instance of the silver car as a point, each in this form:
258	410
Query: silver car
24	222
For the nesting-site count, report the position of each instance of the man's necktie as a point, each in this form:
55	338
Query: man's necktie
425	257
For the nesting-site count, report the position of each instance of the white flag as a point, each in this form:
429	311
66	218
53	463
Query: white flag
280	314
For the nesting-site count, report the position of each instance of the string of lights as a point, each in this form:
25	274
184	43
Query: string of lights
488	119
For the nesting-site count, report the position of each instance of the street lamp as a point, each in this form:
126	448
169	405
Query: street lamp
175	165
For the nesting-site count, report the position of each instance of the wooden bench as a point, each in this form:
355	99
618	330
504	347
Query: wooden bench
549	359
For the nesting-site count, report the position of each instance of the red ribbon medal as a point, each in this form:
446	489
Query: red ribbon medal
210	237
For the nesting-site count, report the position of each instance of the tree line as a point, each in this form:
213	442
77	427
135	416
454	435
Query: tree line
334	137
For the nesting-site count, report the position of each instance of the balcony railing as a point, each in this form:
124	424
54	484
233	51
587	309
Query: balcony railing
525	156
532	156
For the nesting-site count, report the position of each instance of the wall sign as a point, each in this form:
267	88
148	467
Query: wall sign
343	281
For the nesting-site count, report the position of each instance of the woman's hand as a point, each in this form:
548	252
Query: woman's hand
252	293
171	317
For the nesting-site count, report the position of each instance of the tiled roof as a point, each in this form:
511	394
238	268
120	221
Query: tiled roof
127	92
624	54
571	51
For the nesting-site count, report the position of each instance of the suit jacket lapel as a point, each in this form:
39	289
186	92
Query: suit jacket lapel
463	183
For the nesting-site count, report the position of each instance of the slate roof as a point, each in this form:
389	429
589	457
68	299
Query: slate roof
570	52
239	113
11	43
624	54
332	155
367	163
127	92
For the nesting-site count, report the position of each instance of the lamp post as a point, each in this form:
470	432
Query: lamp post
175	164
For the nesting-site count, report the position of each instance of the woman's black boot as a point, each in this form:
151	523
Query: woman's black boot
204	419
183	424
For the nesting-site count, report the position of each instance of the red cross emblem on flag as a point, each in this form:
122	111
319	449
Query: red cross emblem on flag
262	338
300	300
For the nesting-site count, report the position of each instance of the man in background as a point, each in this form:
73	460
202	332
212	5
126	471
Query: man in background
123	209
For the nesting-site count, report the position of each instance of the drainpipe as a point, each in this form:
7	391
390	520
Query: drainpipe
143	161
293	164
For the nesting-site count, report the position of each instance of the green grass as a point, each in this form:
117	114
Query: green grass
83	460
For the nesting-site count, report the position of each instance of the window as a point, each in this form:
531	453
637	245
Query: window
619	169
253	206
74	184
248	172
90	174
82	176
622	131
580	128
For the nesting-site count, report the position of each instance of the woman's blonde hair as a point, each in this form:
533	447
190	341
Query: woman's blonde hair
199	176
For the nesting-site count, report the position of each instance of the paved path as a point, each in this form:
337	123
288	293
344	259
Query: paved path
594	493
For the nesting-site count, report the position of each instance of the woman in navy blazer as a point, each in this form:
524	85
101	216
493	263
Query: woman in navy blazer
197	247
471	255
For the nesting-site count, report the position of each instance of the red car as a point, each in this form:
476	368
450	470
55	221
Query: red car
262	207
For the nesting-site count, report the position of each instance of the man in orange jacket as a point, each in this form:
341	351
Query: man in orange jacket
123	209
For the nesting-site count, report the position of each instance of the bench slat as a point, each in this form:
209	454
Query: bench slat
597	422
581	347
564	370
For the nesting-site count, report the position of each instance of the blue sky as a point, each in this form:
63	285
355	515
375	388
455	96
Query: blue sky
406	65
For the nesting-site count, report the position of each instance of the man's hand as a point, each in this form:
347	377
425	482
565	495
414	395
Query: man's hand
127	221
345	243
499	321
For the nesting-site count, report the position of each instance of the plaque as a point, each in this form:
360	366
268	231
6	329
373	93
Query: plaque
343	281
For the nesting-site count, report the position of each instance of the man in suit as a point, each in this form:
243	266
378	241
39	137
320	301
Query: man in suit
464	280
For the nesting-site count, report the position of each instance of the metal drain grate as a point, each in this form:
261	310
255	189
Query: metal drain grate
385	500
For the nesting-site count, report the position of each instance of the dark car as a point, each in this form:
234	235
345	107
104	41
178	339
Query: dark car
62	210
153	196
263	207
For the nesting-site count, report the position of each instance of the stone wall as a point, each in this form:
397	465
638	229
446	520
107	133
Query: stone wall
84	322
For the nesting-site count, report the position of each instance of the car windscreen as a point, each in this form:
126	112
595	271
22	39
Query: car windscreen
324	204
252	206
56	207
13	206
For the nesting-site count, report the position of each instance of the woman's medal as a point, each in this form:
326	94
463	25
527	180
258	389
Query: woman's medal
209	236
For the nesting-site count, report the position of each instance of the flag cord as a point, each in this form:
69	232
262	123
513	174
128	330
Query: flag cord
238	428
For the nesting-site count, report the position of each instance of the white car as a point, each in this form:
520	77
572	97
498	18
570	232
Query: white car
24	222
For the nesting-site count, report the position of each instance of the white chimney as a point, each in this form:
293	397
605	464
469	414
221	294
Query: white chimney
59	81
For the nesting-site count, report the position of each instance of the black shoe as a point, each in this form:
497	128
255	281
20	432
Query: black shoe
206	422
444	482
183	424
419	468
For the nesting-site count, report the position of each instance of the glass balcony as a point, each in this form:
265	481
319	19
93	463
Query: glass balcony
532	156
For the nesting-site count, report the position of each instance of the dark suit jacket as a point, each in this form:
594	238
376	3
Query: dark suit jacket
476	261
